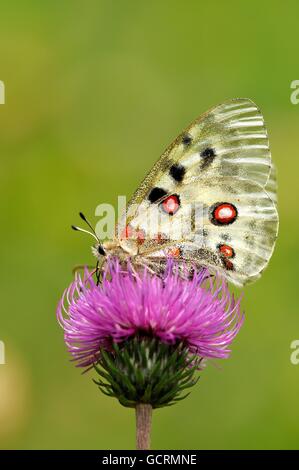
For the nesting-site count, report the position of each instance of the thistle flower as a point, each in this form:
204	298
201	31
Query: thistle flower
146	335
133	322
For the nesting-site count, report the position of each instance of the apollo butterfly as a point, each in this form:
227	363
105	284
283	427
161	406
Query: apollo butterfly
222	165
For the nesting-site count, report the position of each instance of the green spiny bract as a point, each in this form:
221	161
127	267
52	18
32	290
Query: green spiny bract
146	370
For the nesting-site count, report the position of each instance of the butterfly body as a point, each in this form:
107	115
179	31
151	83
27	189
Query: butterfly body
210	200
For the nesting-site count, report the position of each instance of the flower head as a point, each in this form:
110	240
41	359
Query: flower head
199	313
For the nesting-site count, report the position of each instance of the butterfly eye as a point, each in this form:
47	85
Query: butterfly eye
171	204
101	250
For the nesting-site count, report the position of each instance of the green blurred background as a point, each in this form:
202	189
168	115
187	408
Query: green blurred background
95	91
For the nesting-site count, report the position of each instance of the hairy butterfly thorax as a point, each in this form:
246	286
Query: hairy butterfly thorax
210	200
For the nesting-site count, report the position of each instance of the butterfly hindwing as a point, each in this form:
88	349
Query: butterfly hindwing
271	185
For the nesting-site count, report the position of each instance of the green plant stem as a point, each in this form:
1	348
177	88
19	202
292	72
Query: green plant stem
143	426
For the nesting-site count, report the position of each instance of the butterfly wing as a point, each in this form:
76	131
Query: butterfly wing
271	185
209	199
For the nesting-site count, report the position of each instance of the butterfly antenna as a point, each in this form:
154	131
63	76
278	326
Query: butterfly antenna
88	223
92	233
79	229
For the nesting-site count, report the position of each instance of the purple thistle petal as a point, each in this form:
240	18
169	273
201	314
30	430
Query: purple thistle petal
201	312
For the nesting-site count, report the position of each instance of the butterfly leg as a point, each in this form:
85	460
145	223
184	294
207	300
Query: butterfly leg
98	273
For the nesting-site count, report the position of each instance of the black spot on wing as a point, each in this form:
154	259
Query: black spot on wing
207	157
156	194
186	140
225	236
177	172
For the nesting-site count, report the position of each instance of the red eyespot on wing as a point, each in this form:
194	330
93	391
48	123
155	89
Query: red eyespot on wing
160	238
140	236
174	252
132	234
226	251
171	204
127	232
224	213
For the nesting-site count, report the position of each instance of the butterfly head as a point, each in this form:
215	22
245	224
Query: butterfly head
98	251
107	248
